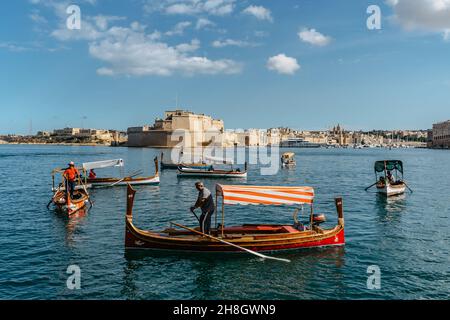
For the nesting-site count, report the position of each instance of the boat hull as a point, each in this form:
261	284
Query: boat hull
138	239
210	174
75	205
391	190
103	182
173	166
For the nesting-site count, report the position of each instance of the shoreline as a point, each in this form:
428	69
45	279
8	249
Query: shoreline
59	144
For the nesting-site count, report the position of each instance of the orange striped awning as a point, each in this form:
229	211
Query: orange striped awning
267	195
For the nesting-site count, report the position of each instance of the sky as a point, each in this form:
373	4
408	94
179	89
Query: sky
304	64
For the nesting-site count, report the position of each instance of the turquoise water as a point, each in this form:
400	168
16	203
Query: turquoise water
407	237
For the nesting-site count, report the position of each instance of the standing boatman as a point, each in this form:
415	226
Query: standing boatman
206	203
71	174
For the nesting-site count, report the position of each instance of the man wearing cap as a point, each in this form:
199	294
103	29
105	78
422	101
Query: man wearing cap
71	174
206	203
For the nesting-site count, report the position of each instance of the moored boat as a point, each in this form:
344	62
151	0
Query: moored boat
211	172
174	166
246	237
132	179
287	159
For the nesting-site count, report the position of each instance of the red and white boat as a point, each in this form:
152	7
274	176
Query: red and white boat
254	237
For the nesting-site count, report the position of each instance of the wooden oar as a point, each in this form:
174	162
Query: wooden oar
195	215
407	186
85	190
371	186
134	174
130	176
230	244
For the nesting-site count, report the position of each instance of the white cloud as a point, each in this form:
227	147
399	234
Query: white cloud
259	12
133	51
37	17
429	15
179	28
314	37
191	7
232	42
130	52
102	22
203	23
189	47
283	64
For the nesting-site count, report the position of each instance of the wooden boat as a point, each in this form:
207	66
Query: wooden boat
109	182
174	166
386	184
287	159
62	200
212	173
255	237
64	203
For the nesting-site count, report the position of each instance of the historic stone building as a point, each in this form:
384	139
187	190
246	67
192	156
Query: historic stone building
441	135
177	128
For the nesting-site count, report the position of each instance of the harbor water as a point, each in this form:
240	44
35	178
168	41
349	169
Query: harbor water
406	237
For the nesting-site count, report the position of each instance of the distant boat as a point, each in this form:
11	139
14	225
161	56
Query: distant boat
132	179
174	166
287	159
390	182
211	172
298	143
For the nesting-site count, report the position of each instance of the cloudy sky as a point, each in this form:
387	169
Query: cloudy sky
306	64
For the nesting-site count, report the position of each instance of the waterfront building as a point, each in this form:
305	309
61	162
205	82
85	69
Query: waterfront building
178	126
43	134
66	132
441	135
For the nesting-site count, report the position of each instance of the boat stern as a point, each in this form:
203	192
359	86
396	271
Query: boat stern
340	237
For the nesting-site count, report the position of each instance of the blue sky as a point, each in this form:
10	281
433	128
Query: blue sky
306	64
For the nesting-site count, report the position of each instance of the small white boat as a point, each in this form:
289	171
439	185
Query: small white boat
390	182
287	160
391	189
132	179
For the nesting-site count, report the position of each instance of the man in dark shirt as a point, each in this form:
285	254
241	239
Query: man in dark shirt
206	203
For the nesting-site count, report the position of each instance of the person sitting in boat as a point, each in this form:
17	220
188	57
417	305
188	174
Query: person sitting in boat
390	177
92	174
206	203
71	174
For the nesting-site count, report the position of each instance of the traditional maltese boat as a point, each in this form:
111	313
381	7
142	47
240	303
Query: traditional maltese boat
287	159
211	172
62	200
174	166
64	203
132	179
389	177
252	238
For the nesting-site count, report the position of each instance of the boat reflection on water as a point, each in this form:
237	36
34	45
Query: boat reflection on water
389	208
71	222
210	275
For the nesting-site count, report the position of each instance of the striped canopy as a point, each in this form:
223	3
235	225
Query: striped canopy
266	195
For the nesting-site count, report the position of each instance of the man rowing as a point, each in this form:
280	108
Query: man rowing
206	203
71	174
